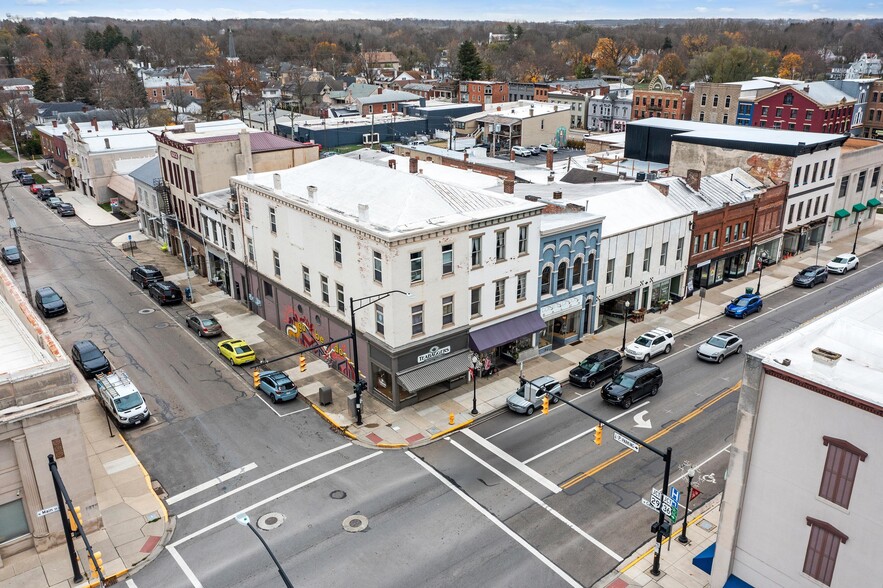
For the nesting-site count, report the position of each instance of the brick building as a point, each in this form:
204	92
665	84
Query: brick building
715	103
873	127
657	100
483	92
815	107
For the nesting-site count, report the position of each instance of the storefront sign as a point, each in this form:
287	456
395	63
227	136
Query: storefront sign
704	263
574	303
434	353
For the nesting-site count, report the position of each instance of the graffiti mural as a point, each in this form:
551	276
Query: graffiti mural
300	328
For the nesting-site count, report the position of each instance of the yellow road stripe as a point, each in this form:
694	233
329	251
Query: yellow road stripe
580	477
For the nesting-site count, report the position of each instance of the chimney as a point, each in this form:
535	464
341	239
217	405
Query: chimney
311	190
106	143
392	163
557	195
55	124
549	159
95	123
277	182
363	213
806	88
499	109
189	126
694	178
412	165
379	91
245	149
250	176
531	110
532	198
465	156
509	186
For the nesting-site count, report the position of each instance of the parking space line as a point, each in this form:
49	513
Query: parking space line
213	482
262	479
194	581
489	516
539	502
269	499
532	473
584	433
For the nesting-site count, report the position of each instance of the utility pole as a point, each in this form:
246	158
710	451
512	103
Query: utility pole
13	226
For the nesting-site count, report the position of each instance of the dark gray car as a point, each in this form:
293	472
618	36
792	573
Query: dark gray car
89	359
595	368
633	384
810	276
10	254
205	325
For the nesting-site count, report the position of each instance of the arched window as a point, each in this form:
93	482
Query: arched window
590	268
561	282
577	272
546	281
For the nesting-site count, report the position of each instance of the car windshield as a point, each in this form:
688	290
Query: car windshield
128	402
11	250
717	342
626	380
51	298
741	302
241	349
590	366
209	322
807	272
643	341
521	391
840	260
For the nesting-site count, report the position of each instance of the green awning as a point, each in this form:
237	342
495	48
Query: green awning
842	213
859	207
873	202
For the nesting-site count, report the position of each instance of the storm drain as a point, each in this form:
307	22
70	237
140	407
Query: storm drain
355	524
161	325
270	521
337	494
147	311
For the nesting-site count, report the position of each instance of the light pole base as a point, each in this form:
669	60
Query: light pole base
474	411
683	539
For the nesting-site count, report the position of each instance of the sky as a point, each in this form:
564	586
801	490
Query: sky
496	10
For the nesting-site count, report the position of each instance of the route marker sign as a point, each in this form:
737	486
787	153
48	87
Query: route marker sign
46	511
626	441
655	498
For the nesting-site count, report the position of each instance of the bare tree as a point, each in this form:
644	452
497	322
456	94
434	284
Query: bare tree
127	100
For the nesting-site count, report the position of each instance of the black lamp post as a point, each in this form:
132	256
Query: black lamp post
243	520
690	473
762	257
625	323
475	361
855	241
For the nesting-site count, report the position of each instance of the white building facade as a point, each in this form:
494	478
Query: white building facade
857	186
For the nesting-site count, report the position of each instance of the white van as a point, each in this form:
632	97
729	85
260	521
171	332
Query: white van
122	399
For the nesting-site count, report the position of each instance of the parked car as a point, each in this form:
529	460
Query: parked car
26	180
843	263
122	399
34	188
89	359
547	147
810	276
45	192
65	209
744	305
53	202
534	150
720	346
17	173
387	148
144	275
596	367
277	386
633	384
236	351
530	394
10	254
650	344
521	151
205	325
165	292
48	302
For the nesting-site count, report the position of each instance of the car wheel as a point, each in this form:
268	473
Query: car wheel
627	402
646	357
233	363
529	410
654	390
667	349
199	334
555	398
275	398
812	284
720	358
591	383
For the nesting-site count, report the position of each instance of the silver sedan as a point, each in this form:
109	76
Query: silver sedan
719	346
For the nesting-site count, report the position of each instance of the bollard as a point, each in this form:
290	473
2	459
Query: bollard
451	419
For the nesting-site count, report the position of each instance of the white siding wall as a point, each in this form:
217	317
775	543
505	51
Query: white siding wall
806	193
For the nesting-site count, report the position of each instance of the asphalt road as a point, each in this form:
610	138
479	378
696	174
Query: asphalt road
512	501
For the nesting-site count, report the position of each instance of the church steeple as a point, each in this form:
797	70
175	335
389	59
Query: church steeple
231	47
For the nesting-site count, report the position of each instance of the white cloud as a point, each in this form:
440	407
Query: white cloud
34	2
701	9
727	9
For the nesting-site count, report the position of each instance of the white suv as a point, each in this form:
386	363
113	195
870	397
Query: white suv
649	344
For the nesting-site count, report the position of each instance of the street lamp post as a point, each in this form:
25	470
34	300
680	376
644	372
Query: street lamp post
475	361
762	257
625	323
690	473
855	241
360	385
243	520
14	138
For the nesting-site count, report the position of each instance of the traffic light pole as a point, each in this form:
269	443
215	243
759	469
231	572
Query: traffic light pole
65	523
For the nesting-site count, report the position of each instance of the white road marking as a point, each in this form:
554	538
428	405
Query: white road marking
131	583
533	474
642	423
184	567
528	419
699	465
214	482
536	500
584	433
272	498
471	502
263	479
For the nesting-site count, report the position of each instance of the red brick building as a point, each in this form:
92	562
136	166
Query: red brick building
655	100
482	92
815	107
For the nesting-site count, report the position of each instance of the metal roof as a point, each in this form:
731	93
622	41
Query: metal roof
730	187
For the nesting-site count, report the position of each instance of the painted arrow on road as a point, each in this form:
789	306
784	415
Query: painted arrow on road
640	422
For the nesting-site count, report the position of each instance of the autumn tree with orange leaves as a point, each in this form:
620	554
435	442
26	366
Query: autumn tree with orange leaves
791	66
610	54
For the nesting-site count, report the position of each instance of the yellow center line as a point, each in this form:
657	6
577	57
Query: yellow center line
580	477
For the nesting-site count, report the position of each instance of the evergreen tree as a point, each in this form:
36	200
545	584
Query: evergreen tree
666	45
44	89
470	62
77	85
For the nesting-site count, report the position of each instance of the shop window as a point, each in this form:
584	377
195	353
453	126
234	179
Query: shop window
561	278
417	319
475	302
577	273
379	325
447	311
13	522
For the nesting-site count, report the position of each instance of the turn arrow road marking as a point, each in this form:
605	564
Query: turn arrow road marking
640	422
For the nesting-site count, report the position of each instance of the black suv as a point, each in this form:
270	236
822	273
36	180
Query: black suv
596	367
810	276
633	384
144	275
45	193
89	358
26	179
49	302
165	293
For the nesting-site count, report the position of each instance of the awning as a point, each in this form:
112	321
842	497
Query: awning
705	558
734	582
123	185
873	202
423	376
842	213
509	330
859	207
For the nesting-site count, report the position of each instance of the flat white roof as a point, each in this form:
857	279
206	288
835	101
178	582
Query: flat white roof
19	350
738	133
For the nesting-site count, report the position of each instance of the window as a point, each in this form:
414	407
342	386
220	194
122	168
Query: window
501	246
821	550
378	267
521	287
875	177
306	275
250	244
499	293
764	110
806	174
324	283
861	182
696	244
15	523
726	118
778	112
522	239
648	251
663	255
680	252
590	268
704	100
417	319
475	301
611	265
790	214
476	251
793	113
824	164
714	101
629	259
245	209
447	311
841	466
727	235
417	266
825	204
379	326
701	115
340	301
777	125
277	266
232	241
272	220
789	98
726	105
807	128
844	185
577	279
705	242
808	115
745	230
800	211
815	169
561	281
338	250
447	259
816	209
831	168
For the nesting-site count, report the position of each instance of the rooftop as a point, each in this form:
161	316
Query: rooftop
147	172
732	186
388	96
261	141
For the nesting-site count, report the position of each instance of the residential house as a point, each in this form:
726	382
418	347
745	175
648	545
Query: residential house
657	99
860	90
152	207
610	112
575	102
352	93
857	184
381	60
589	86
57	111
814	107
386	102
22	87
715	102
868	65
424	90
751	90
54	150
483	92
159	89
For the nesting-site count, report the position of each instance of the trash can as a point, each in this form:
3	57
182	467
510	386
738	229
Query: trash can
324	396
351	403
188	294
749	290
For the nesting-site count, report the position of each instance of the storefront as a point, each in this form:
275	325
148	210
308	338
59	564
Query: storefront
509	340
713	272
564	323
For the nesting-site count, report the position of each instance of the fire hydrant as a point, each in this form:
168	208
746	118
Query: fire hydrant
451	419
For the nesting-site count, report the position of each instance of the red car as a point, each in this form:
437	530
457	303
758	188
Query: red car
34	188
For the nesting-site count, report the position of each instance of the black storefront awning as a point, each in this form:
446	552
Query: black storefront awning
423	376
508	330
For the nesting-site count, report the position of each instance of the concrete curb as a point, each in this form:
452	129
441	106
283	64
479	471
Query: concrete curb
333	423
462	425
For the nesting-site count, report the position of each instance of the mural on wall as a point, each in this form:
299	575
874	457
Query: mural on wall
300	328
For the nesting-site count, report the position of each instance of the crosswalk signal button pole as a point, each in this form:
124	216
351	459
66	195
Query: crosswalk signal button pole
303	363
598	433
546	404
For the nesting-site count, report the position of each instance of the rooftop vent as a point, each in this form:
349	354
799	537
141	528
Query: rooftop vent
825	356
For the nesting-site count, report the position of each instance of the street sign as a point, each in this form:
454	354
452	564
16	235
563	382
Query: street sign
46	511
675	495
666	509
694	492
655	498
626	441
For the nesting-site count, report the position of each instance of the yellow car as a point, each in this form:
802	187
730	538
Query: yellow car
236	351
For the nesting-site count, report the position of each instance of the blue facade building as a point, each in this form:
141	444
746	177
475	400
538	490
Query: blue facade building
744	112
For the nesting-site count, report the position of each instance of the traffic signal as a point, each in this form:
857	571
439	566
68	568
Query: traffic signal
666	528
598	434
96	561
257	378
303	363
546	404
74	518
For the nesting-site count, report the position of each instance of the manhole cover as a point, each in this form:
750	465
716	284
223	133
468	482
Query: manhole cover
161	325
355	524
270	521
147	311
337	494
